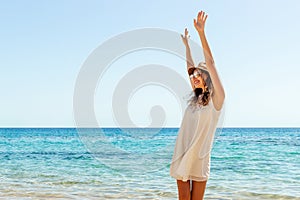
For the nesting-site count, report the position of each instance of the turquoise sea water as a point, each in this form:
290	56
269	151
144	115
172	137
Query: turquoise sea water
54	163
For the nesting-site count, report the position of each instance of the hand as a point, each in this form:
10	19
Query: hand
200	22
185	37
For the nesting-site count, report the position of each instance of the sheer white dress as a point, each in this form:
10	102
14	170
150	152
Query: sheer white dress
191	158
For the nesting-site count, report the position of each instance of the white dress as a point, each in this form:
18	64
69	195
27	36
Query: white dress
191	158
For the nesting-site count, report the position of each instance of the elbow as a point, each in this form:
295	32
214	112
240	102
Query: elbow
222	94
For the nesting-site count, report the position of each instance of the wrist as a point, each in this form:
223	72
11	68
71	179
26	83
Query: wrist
201	32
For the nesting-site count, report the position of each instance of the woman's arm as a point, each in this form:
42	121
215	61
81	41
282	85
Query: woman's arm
219	93
189	59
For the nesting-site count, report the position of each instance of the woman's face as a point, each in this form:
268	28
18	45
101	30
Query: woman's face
198	78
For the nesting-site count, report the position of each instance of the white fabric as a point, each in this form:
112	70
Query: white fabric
191	158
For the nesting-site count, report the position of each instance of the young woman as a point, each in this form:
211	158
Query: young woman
191	160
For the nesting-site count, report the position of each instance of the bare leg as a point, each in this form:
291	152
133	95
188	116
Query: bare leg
184	192
198	189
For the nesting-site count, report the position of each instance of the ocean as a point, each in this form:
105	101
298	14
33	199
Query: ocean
65	163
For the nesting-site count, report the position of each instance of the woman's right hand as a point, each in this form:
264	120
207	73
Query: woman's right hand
186	37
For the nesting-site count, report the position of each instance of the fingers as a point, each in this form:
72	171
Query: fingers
186	32
201	16
183	37
205	18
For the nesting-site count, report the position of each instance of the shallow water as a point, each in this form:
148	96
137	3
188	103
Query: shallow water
134	164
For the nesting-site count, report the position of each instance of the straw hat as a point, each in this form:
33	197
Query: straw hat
201	65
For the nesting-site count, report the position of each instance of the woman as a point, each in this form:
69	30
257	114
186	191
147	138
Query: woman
191	160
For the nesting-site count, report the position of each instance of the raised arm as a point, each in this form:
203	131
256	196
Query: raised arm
189	59
185	39
219	93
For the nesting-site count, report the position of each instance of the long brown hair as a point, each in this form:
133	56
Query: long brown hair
200	97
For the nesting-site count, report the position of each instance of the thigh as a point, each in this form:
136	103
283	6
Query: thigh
184	190
198	189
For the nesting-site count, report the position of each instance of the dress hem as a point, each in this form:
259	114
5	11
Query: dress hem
190	178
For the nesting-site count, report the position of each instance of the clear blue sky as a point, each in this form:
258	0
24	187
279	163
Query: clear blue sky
44	44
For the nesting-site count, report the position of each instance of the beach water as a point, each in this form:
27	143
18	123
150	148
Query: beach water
54	163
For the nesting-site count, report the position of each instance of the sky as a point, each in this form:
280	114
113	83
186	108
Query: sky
44	45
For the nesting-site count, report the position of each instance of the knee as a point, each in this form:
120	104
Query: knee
185	195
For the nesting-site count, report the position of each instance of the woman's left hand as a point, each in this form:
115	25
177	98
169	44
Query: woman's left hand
186	37
200	22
